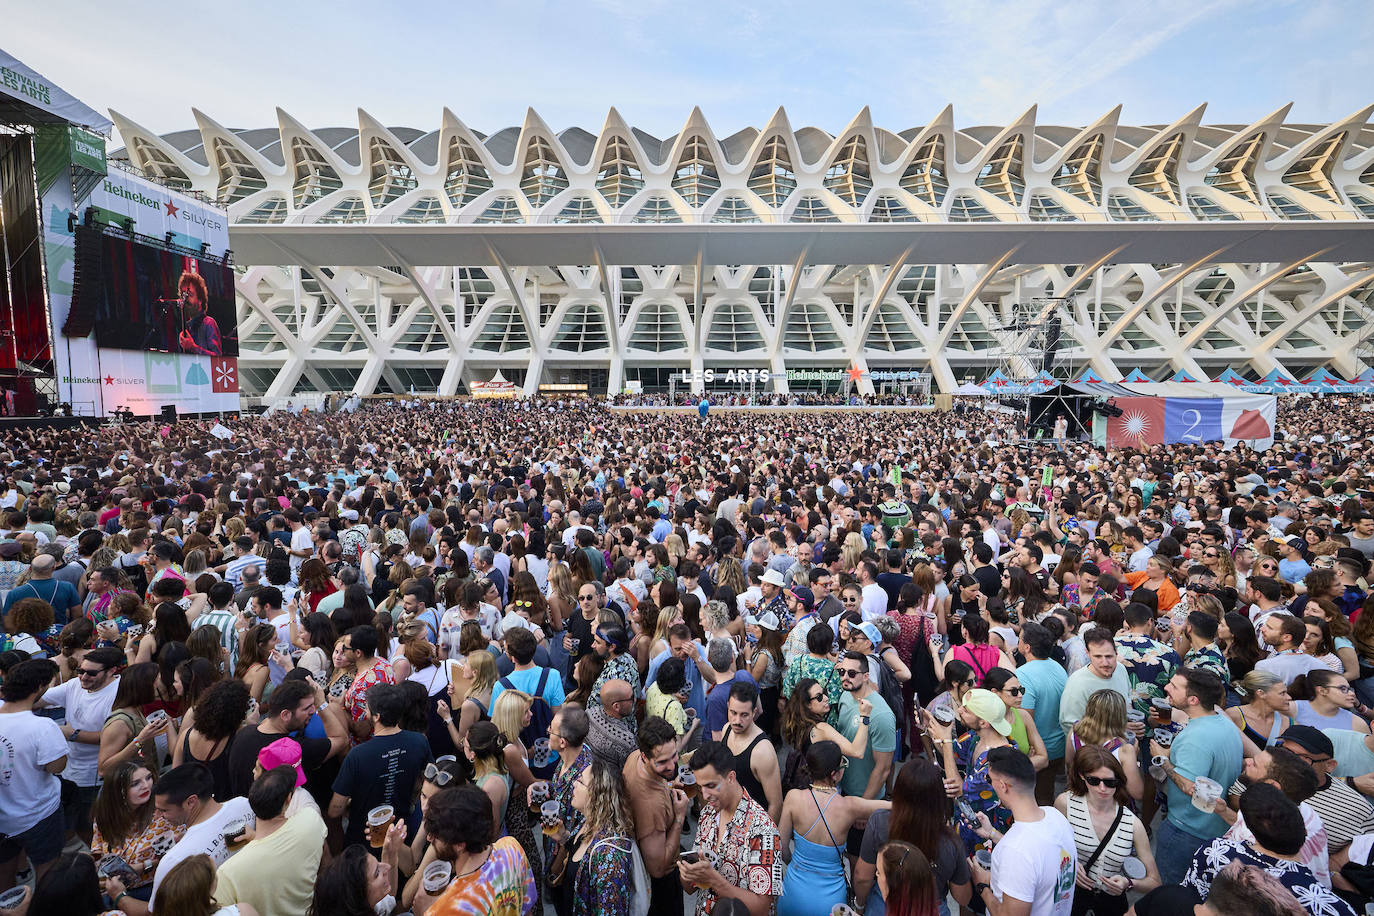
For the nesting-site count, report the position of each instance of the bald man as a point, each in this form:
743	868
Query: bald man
612	734
41	585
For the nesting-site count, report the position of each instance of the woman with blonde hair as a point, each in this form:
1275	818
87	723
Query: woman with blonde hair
666	618
476	678
851	550
730	575
562	596
1266	713
1104	725
510	712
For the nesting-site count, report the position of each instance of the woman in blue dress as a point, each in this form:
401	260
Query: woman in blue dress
815	823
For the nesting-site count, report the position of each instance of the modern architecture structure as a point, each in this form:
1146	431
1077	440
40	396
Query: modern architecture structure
375	258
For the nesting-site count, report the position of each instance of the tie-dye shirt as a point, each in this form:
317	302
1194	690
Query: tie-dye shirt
503	886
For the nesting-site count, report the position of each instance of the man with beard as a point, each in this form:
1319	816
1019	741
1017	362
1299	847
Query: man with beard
490	879
660	809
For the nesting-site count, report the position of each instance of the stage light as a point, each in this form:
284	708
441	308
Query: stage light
128	225
204	249
228	259
71	222
88	217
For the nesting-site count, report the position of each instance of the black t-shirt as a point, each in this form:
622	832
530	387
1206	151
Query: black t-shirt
384	770
243	755
579	628
989	580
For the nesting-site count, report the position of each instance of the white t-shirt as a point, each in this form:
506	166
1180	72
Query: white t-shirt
1036	862
28	793
874	602
87	711
300	540
205	837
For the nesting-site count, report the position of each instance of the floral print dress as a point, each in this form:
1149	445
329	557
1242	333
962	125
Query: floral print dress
143	851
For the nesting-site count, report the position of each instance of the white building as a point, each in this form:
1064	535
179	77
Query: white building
376	259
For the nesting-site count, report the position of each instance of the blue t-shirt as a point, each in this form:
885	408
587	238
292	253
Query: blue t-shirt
717	714
1044	681
1208	746
59	593
697	690
527	681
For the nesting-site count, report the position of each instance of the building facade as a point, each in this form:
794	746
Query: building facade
300	198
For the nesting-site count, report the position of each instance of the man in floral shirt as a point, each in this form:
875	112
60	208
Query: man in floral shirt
1085	592
360	645
741	854
612	644
1200	633
1277	826
1149	662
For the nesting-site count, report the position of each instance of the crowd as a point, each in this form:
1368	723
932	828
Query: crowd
511	657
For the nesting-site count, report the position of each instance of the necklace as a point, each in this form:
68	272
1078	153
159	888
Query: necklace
477	866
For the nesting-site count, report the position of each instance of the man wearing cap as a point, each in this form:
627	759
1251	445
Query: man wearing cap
612	644
1345	813
1292	568
866	638
801	602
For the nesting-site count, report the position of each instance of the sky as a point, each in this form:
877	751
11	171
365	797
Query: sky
653	60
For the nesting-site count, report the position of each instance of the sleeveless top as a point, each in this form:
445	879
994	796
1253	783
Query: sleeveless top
1276	728
1304	714
1120	845
982	657
745	773
1019	736
218	766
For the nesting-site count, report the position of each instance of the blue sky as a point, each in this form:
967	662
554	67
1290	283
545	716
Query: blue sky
653	60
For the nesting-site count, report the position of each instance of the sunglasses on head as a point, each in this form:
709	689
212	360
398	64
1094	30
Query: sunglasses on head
1110	782
437	776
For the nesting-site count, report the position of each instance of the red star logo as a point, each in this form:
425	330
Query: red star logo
109	380
1283	381
855	373
1237	381
1000	382
171	208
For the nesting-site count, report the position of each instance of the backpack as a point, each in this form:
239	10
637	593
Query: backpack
541	714
890	689
639	876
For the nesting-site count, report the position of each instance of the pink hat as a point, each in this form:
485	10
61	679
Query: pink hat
283	752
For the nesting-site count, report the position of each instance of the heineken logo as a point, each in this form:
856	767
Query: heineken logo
129	194
25	86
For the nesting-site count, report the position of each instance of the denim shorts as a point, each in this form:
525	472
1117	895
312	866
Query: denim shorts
43	841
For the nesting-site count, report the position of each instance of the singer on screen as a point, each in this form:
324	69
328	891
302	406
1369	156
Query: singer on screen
201	333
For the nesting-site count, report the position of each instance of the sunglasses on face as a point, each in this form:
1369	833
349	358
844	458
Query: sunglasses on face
586	597
89	672
848	672
818	698
1110	782
1014	691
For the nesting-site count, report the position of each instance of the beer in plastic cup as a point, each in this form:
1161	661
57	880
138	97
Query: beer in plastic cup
13	897
378	820
842	909
539	793
548	811
157	718
1163	710
1205	793
437	876
688	780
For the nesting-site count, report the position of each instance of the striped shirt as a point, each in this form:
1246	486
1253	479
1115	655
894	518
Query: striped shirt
229	637
233	572
1345	813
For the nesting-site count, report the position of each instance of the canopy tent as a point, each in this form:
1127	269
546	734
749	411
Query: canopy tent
1137	377
1183	376
970	389
26	95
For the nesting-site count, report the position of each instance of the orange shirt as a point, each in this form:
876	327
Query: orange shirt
1167	592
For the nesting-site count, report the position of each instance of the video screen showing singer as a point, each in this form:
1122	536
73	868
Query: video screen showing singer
200	332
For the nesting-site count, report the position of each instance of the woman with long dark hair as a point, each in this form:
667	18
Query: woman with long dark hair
919	816
804	723
255	652
127	734
128	826
355	882
1238	640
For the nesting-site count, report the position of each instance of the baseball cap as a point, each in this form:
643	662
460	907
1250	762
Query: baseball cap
768	620
773	577
805	596
1309	739
987	706
350	514
870	632
283	752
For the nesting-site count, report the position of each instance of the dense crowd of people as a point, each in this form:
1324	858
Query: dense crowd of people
511	657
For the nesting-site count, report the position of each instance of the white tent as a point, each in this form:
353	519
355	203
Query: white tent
969	388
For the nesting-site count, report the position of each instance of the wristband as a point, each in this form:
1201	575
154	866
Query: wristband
980	887
122	895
